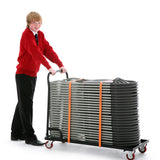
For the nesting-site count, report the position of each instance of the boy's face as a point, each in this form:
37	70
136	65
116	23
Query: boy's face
35	26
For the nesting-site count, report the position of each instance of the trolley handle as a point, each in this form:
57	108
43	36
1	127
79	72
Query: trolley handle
60	70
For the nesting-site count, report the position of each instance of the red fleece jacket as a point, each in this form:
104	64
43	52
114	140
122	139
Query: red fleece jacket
31	55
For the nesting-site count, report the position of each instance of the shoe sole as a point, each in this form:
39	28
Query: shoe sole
34	144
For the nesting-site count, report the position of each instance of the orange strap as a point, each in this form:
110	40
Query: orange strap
69	108
69	111
100	112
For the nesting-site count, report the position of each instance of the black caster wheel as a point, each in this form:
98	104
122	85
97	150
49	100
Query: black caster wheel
63	141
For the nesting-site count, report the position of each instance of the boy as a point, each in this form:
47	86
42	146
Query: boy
33	50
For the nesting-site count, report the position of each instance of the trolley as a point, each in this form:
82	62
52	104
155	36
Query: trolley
99	112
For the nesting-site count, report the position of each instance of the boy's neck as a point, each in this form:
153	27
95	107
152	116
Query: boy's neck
34	32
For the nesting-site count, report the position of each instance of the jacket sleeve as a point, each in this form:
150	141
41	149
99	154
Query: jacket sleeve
51	54
31	47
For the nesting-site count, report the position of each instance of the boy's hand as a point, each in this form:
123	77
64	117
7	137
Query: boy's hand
64	70
52	71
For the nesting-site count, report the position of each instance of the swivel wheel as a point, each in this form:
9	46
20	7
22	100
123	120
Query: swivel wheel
142	149
130	156
63	141
49	144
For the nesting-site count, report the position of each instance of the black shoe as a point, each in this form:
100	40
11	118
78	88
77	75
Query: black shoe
34	142
16	138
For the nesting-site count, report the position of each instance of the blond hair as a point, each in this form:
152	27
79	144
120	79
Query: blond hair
32	17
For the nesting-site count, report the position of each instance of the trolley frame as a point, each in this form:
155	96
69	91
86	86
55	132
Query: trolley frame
130	151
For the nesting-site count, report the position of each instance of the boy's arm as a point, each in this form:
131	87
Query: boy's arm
51	54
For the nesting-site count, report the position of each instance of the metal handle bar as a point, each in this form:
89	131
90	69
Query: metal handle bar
49	99
60	70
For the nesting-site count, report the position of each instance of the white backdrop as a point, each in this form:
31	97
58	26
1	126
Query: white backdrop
94	39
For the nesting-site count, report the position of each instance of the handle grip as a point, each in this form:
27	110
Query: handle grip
60	70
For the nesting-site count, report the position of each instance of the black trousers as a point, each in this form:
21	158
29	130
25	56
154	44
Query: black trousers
22	120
